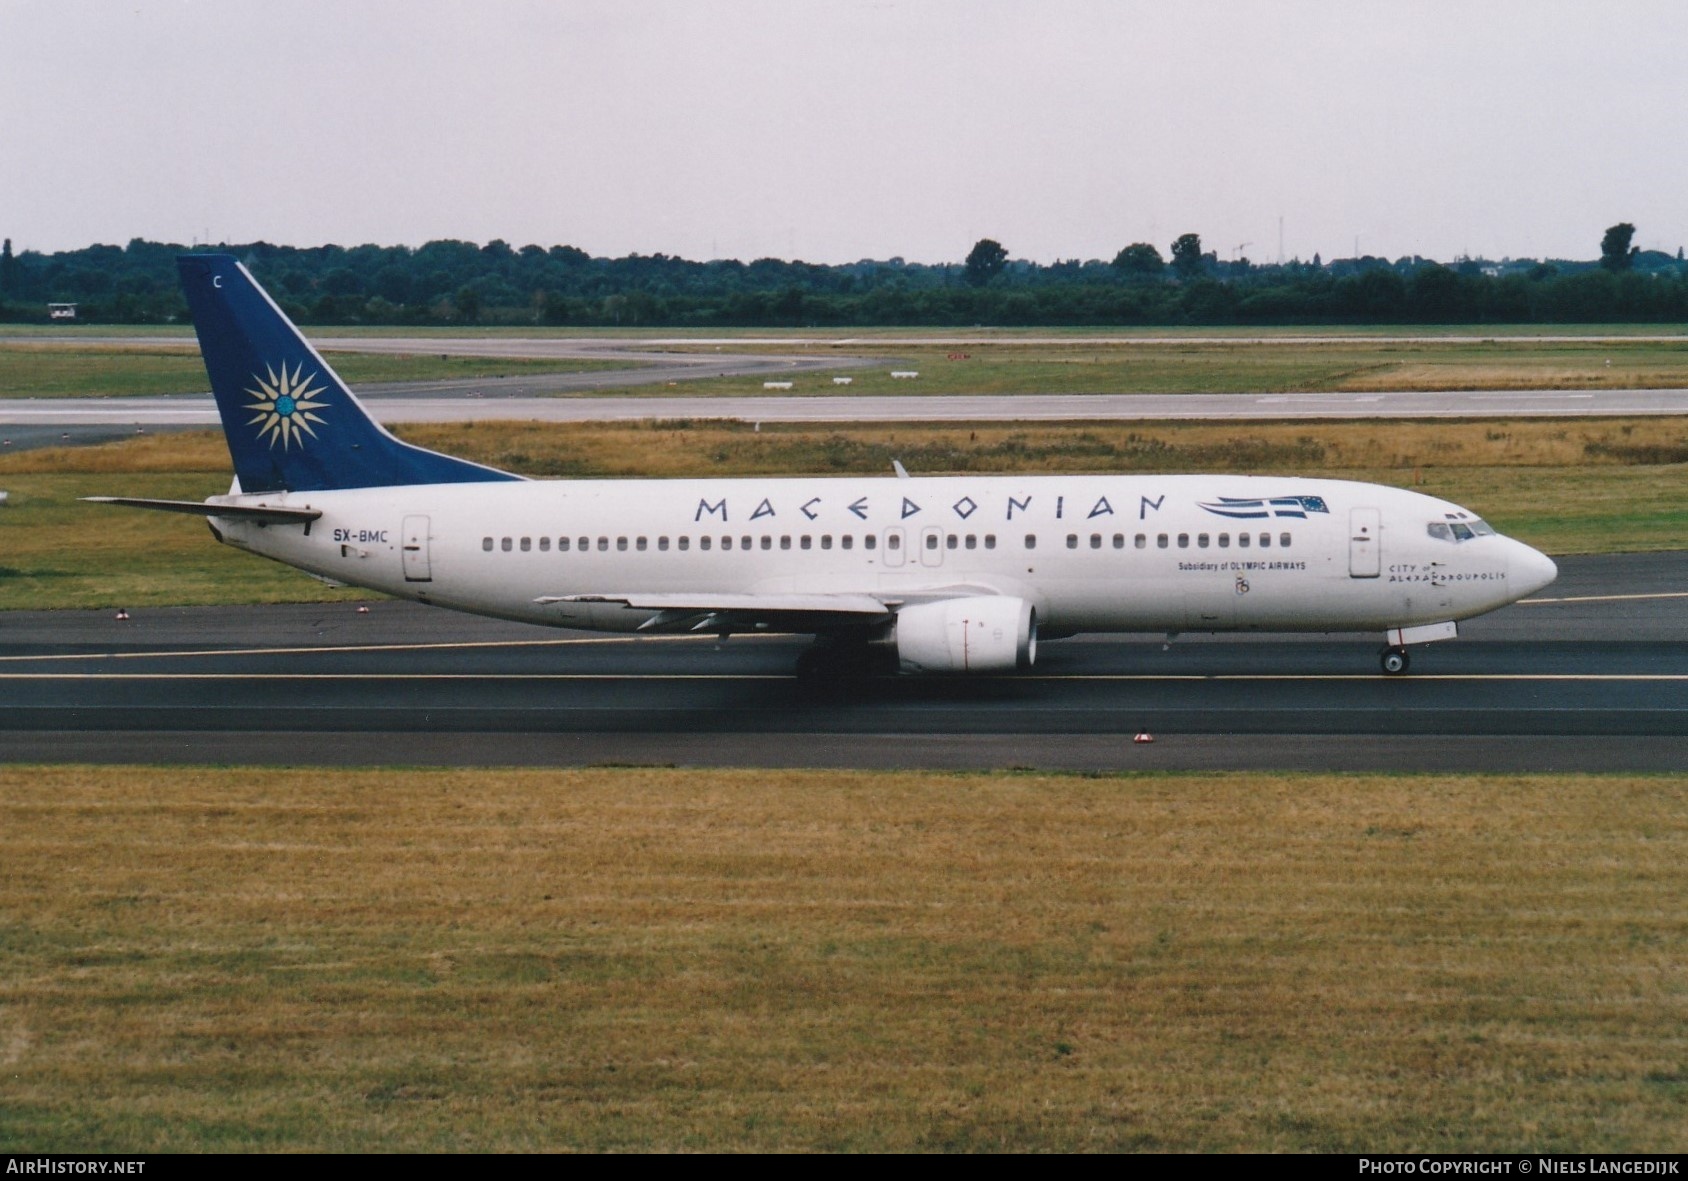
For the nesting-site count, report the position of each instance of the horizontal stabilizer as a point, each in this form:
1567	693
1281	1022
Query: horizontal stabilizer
203	508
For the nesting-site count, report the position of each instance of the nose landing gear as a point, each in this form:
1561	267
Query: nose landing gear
1395	661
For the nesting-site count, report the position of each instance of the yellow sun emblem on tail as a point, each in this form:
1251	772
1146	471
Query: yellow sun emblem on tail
284	406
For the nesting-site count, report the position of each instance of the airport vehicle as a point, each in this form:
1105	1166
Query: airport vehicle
940	574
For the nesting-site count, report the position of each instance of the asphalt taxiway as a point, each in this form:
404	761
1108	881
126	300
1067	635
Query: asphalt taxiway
1592	674
38	421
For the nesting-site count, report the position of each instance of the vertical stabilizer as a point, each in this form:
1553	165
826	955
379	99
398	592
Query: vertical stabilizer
290	421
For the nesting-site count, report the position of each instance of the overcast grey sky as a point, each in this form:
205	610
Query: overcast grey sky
832	130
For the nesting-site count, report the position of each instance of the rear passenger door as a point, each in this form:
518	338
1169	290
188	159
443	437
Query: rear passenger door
414	546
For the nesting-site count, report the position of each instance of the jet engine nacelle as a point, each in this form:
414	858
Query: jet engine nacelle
985	633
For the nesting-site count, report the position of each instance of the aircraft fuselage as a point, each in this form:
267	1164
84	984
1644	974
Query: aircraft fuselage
1091	553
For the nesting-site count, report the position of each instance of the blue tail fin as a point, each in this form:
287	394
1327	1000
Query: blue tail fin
291	423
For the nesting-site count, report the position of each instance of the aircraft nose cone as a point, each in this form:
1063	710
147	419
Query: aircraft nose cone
1531	570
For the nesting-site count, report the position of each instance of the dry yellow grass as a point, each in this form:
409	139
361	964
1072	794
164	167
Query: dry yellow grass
706	448
644	959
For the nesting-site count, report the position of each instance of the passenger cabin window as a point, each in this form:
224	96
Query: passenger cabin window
1201	540
767	542
1265	541
1283	540
826	541
1119	541
703	543
844	542
931	541
544	545
1031	541
870	541
952	542
504	544
804	542
563	545
662	544
527	544
1072	541
1242	541
990	541
683	543
1160	541
640	543
603	544
785	542
894	541
1183	541
486	544
1142	541
621	543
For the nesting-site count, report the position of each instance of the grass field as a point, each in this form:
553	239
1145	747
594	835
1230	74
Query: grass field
229	959
87	371
998	366
995	365
914	332
1566	486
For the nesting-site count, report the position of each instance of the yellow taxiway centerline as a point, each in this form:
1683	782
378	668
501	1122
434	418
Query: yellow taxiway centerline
440	647
1604	598
1022	678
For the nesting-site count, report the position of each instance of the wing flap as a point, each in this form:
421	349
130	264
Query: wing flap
849	604
725	612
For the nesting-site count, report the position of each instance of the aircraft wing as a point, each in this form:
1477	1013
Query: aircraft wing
723	612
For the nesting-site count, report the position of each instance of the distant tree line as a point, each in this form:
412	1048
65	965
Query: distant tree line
459	283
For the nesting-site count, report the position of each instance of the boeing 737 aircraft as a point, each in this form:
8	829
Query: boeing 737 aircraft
942	574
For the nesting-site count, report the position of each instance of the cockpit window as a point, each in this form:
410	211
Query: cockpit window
1457	531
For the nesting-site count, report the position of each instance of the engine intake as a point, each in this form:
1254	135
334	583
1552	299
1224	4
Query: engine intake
980	634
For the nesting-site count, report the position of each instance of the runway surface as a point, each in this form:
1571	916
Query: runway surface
571	397
1592	675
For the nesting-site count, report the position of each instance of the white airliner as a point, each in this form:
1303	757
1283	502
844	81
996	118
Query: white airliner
952	574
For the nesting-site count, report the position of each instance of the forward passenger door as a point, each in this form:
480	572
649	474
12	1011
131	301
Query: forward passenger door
1364	557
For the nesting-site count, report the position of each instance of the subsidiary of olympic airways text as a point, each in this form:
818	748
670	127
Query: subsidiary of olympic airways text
1521	1166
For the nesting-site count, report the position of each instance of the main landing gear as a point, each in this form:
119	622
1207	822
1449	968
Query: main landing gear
1395	661
841	661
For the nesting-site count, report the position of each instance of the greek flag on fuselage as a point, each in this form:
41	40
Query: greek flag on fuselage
1266	506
